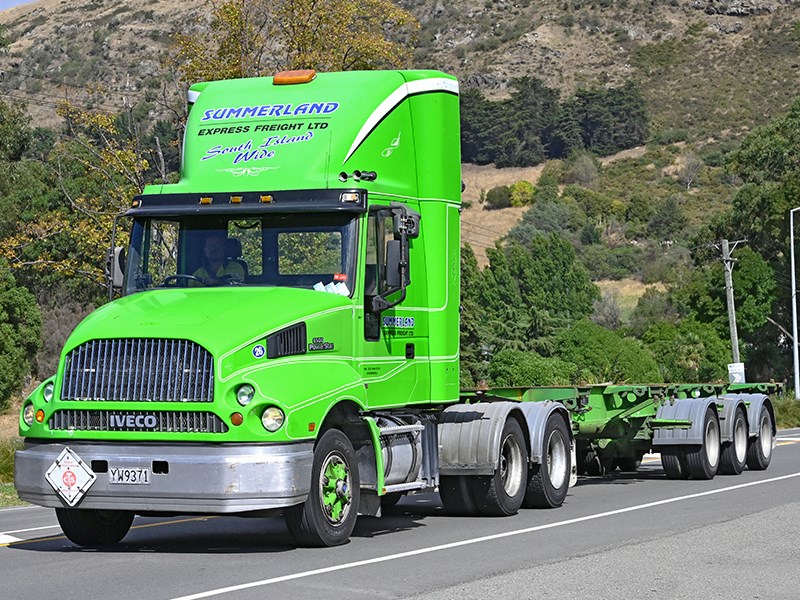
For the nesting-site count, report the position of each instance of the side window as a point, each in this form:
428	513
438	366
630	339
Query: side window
379	233
161	258
244	238
309	252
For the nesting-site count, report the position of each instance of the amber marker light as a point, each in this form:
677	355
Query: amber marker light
236	199
40	416
312	426
206	200
237	419
292	77
135	204
266	199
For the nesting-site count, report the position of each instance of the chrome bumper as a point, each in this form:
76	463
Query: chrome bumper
201	478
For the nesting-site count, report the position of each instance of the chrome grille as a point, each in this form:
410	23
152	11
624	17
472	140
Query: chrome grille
139	370
137	420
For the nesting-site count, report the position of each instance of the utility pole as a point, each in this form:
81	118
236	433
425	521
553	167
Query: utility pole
728	262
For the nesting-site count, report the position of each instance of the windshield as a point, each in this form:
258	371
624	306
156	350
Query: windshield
314	251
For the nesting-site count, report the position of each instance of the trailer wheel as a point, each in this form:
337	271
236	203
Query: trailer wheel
501	494
703	460
92	527
328	516
674	464
629	464
759	452
457	494
548	482
734	453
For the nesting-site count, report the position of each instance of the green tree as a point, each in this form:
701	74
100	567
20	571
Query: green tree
248	38
514	368
20	327
690	352
605	356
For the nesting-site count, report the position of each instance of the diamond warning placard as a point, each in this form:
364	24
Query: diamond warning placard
70	476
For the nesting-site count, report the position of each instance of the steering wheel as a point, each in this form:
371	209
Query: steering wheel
169	280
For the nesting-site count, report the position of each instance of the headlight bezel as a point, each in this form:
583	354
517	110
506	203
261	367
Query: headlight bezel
28	414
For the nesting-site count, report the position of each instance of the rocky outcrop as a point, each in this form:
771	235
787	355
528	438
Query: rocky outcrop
733	8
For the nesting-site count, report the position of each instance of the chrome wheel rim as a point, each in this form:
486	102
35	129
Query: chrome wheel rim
712	442
765	436
740	441
511	465
557	459
335	489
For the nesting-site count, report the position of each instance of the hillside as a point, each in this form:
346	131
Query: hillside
712	67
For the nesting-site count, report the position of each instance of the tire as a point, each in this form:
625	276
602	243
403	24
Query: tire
328	516
674	464
501	494
548	482
703	461
457	494
629	464
759	451
734	453
92	527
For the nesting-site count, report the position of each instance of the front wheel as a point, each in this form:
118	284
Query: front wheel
759	452
93	527
548	482
328	516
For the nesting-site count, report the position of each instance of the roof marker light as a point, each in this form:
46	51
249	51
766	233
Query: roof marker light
349	197
236	199
206	199
266	198
292	77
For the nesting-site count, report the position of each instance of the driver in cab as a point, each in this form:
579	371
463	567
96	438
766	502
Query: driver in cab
216	267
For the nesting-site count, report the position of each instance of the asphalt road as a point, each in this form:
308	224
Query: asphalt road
634	535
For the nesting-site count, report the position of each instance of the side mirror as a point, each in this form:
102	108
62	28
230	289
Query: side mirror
115	266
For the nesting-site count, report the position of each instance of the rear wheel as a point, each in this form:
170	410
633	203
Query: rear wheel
501	494
703	460
674	464
92	527
548	481
328	516
629	464
734	453
457	494
759	453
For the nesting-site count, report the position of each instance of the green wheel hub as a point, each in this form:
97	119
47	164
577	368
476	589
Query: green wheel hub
335	488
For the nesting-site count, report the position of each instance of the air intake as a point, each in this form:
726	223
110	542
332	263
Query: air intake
287	342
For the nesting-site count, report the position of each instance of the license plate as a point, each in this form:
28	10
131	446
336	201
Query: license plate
129	476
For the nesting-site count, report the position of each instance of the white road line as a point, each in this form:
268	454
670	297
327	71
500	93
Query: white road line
31	529
2	510
478	540
787	439
7	539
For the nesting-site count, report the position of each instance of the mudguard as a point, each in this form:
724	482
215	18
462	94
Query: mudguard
684	409
754	402
536	414
727	406
469	436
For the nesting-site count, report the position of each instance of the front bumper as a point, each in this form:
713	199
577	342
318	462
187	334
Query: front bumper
201	478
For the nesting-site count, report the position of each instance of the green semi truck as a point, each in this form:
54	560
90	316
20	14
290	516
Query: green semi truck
286	340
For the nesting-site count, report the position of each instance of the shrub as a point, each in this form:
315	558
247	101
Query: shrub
498	197
514	368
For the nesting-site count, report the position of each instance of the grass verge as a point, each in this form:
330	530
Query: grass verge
8	494
787	410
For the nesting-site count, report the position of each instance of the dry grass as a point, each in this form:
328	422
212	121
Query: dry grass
627	292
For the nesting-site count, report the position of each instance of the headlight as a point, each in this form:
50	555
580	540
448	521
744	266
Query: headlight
47	392
245	393
272	419
27	414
